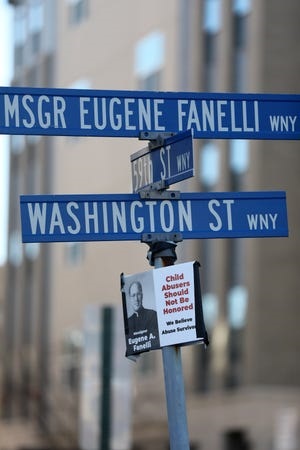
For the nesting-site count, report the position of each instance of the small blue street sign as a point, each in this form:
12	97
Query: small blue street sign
119	217
169	163
71	112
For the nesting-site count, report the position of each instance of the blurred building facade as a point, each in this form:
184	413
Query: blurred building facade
244	389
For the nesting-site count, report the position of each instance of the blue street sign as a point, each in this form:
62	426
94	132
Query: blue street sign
118	217
70	112
169	163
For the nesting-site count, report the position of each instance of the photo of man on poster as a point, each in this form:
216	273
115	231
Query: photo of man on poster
142	318
141	326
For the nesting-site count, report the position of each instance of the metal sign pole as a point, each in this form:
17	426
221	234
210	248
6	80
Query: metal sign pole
163	254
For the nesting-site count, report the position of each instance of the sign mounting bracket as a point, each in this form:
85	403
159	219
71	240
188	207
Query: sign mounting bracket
151	238
157	192
156	139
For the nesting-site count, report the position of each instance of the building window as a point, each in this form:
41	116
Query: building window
239	65
209	165
17	143
212	16
74	253
78	11
211	28
149	60
15	249
71	357
36	23
237	302
150	83
210	309
82	83
210	56
20	25
20	34
239	156
241	8
32	250
36	16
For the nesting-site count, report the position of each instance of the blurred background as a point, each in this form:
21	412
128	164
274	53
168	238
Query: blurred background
64	380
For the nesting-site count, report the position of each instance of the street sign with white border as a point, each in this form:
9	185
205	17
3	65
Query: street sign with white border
166	164
110	217
75	112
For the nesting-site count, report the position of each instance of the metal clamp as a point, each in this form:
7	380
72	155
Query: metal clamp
149	238
164	249
156	138
158	193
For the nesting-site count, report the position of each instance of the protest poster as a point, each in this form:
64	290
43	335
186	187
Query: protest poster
162	307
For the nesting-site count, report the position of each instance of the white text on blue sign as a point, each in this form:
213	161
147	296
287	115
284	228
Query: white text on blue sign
127	217
127	113
169	163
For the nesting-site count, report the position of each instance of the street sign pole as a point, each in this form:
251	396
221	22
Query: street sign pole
175	398
163	254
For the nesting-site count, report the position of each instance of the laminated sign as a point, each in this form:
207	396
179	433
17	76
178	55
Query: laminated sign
162	307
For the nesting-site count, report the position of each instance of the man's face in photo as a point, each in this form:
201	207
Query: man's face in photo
136	296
